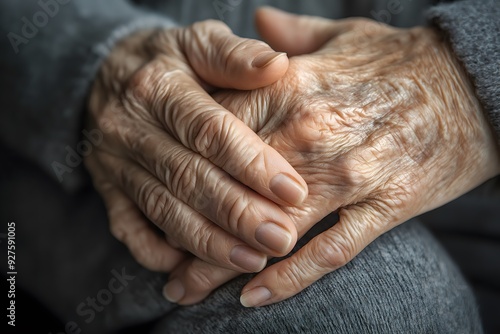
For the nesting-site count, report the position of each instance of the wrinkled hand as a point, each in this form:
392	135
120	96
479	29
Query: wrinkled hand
383	125
173	156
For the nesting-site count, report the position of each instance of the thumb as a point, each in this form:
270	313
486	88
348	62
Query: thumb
225	60
358	226
294	34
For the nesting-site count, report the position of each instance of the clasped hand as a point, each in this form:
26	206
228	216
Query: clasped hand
380	123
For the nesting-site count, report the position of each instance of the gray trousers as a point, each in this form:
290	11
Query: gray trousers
404	282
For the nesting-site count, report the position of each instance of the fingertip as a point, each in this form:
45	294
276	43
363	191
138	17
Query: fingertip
174	291
267	58
255	297
289	189
229	61
276	238
265	69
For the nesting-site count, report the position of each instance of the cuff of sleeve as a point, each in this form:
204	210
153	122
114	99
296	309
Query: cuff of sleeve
473	28
64	157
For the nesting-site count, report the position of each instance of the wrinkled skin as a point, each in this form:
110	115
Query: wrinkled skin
173	156
383	125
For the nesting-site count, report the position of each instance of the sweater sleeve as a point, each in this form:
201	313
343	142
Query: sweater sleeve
50	52
473	28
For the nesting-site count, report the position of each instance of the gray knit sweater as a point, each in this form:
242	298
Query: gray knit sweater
51	50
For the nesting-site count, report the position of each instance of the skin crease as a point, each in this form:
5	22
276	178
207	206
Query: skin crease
164	156
383	125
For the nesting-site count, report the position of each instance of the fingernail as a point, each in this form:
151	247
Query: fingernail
266	58
255	297
287	189
247	258
273	237
174	291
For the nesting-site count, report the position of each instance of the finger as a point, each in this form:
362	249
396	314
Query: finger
215	194
294	34
129	226
191	230
194	280
225	60
330	250
299	34
191	116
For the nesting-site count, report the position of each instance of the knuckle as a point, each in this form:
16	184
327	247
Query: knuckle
123	177
210	134
188	178
181	172
209	191
236	213
322	124
153	261
148	255
112	118
140	248
317	129
335	256
234	167
292	278
163	41
138	87
355	172
157	204
202	241
143	256
200	200
148	259
153	87
253	165
200	278
138	141
117	231
364	168
334	253
108	124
